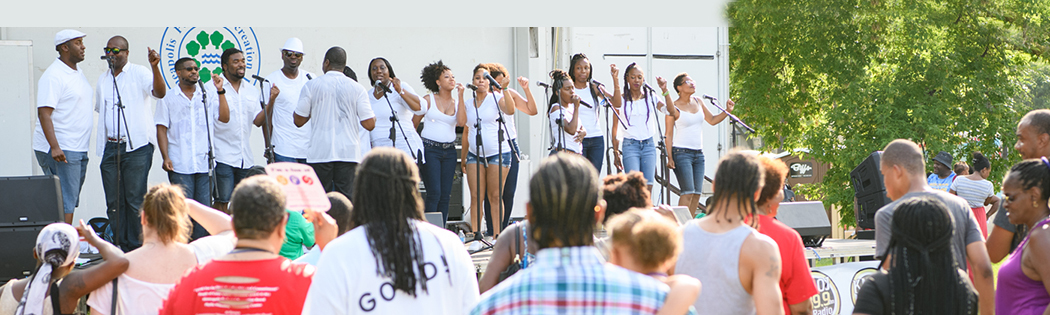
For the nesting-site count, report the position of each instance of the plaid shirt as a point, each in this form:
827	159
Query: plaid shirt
573	280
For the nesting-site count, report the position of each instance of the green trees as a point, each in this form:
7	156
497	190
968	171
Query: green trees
845	77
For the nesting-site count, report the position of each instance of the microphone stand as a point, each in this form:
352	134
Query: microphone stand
268	127
733	120
608	129
664	180
502	126
396	121
211	154
478	236
117	224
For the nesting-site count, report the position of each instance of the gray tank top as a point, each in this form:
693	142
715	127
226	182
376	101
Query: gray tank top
714	259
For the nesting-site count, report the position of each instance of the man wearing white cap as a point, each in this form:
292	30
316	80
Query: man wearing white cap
125	136
289	143
63	104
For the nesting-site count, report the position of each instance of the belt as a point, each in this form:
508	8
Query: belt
117	140
442	145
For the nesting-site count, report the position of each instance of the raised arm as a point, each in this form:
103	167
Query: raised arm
224	108
506	104
159	90
214	221
81	282
461	110
527	104
714	120
617	97
410	98
573	124
671	109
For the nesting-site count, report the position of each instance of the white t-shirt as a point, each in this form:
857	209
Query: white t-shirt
231	138
287	139
136	88
188	128
559	133
511	125
436	125
640	118
489	111
589	115
380	135
69	93
351	284
336	105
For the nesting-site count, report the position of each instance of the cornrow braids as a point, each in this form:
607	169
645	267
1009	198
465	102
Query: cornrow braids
590	76
739	176
629	99
558	78
386	197
1033	173
563	194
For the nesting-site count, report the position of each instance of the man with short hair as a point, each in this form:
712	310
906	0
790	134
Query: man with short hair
1033	142
252	278
338	106
63	106
942	176
902	170
233	152
289	142
185	129
126	135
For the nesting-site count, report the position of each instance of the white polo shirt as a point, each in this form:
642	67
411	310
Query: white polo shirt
336	106
69	93
287	139
232	145
188	128
135	83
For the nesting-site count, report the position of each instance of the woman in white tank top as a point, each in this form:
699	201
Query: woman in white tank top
439	135
394	103
526	105
685	139
484	109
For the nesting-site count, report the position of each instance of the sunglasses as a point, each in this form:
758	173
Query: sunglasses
289	53
113	50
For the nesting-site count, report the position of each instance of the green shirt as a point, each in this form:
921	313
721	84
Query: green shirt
297	233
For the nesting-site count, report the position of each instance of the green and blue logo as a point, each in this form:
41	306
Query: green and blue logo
206	45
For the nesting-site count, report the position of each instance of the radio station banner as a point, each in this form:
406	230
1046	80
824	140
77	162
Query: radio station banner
838	285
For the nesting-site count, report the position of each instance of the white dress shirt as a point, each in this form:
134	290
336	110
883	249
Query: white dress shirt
336	105
135	83
67	91
288	140
188	128
232	145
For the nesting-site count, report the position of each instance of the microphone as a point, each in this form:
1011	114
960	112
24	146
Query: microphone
308	77
472	87
492	81
379	85
710	97
544	85
201	83
258	78
649	87
595	82
106	58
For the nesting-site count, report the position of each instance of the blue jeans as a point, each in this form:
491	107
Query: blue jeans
134	170
594	151
70	175
640	156
281	158
226	178
198	187
438	172
510	185
689	168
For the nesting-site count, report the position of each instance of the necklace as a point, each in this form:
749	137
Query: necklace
239	250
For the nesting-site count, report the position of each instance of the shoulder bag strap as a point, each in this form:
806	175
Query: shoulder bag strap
113	303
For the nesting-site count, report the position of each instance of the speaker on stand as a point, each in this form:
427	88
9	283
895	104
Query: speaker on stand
870	193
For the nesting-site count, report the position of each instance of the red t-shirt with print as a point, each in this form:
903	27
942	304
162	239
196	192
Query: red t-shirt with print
269	286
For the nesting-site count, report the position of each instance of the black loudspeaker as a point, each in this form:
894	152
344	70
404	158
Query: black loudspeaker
30	200
808	218
869	190
17	249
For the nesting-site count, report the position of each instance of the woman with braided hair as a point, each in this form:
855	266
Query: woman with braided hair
924	276
564	123
639	123
591	97
1024	279
408	265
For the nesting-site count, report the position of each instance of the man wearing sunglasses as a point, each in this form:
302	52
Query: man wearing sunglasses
126	133
289	143
63	104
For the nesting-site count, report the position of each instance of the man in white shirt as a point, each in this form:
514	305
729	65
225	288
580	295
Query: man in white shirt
185	128
125	136
63	105
233	152
337	106
289	142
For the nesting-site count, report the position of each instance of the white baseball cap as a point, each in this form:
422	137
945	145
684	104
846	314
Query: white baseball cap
293	44
64	36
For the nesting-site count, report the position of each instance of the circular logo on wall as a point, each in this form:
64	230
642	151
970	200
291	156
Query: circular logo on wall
858	280
826	302
205	45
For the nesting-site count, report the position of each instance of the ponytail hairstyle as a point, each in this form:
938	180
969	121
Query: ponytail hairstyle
164	209
980	162
558	78
739	176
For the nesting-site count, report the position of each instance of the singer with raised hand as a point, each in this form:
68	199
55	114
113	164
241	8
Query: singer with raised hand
526	105
394	103
63	105
233	152
684	138
289	142
562	112
439	135
185	128
485	175
639	146
592	95
126	134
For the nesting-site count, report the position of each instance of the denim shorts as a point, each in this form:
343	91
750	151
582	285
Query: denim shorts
473	159
689	168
